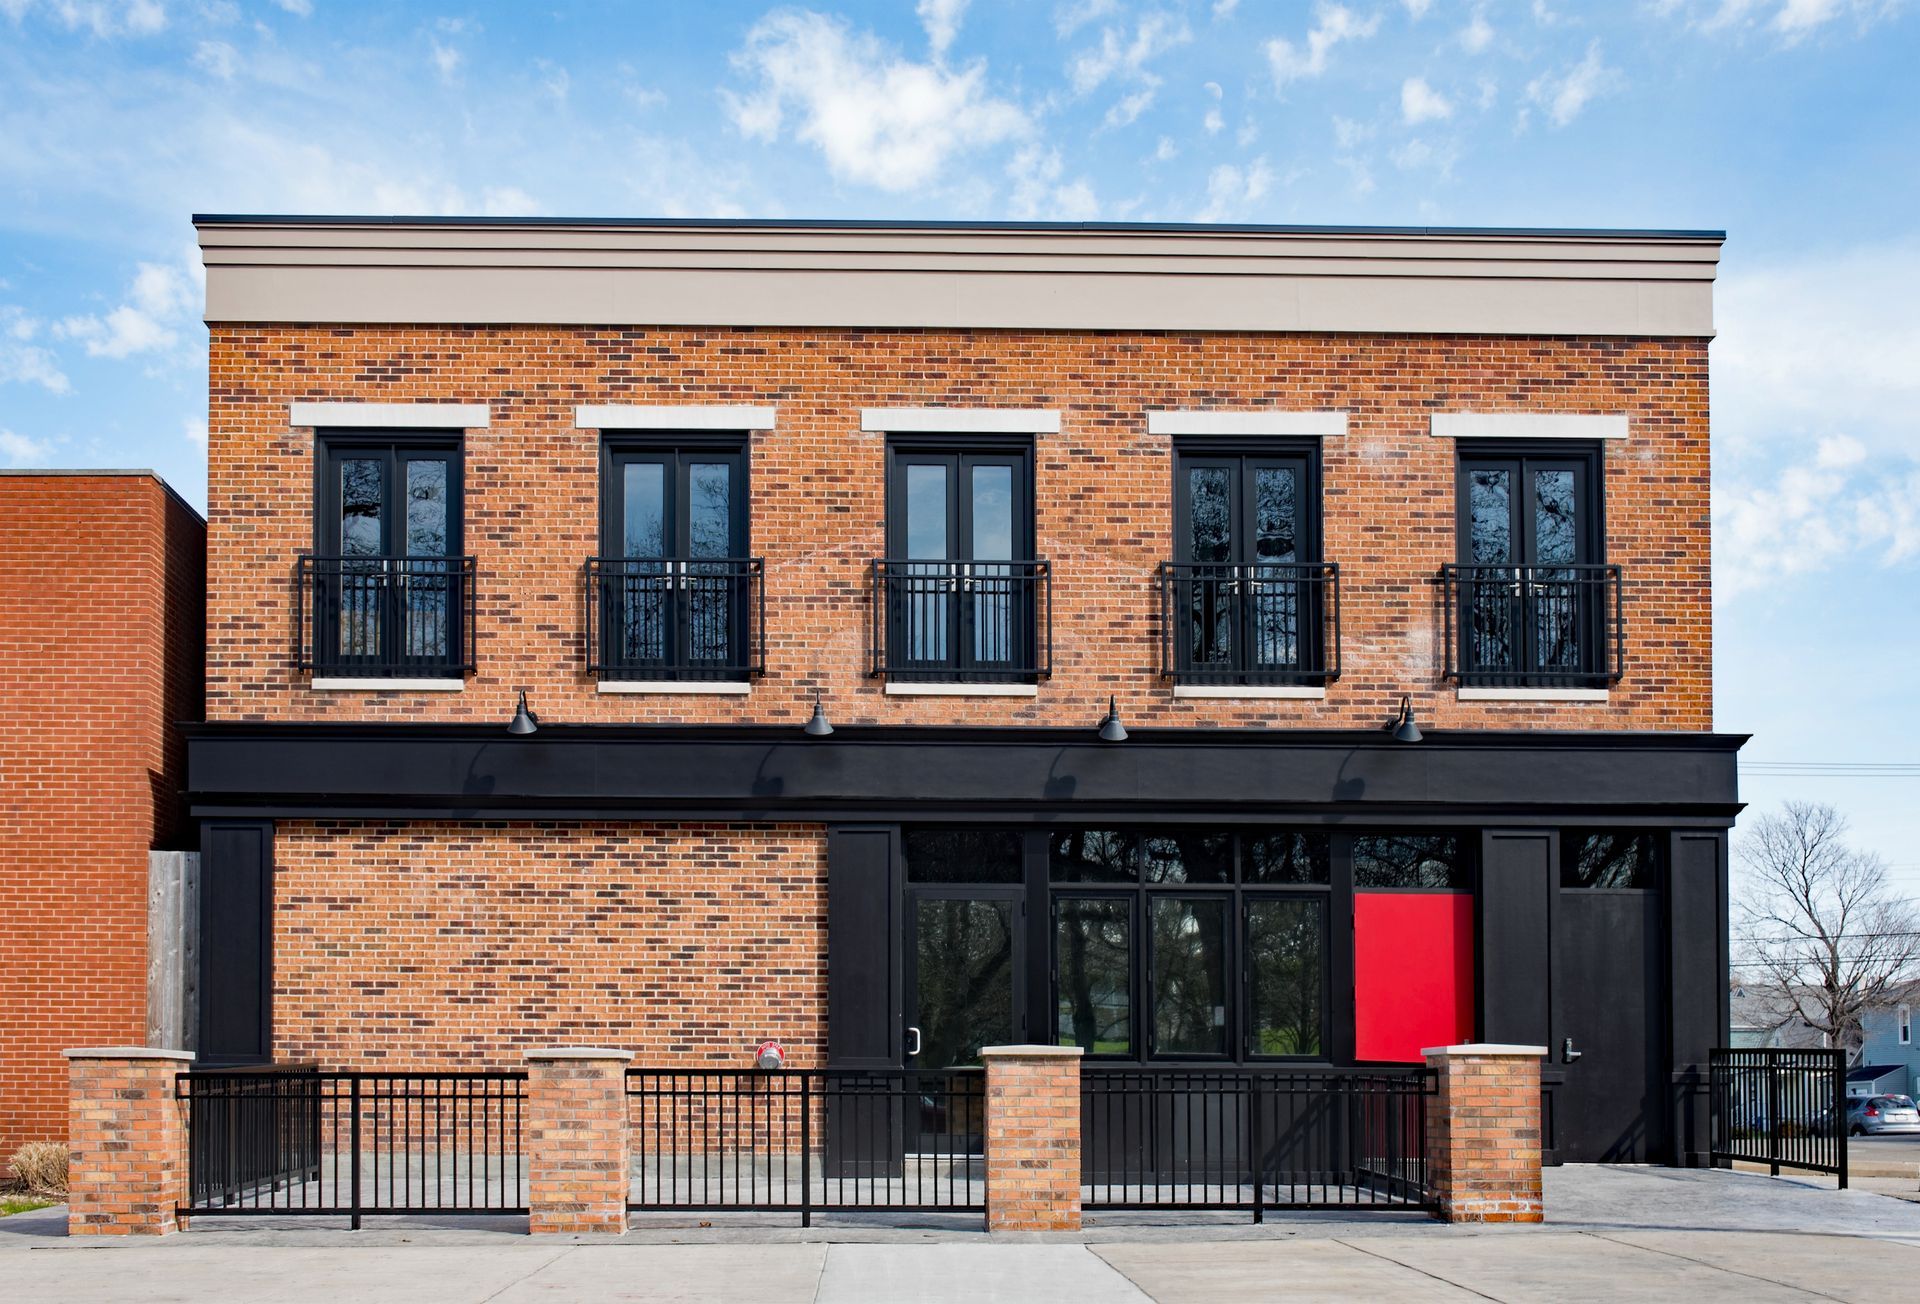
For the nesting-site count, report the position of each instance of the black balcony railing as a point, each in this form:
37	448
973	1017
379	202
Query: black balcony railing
658	618
1533	626
962	621
384	617
1259	623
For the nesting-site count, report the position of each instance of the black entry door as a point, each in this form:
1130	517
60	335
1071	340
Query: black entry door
1244	529
1529	537
1610	1009
961	525
965	983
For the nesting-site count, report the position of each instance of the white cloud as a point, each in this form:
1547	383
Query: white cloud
1232	191
145	323
1332	24
1417	154
19	450
1792	21
1224	9
1039	192
195	431
1477	35
1070	18
299	8
21	360
554	80
1213	122
877	118
1165	150
1129	107
1419	102
1416	9
1487	90
942	19
104	19
446	61
1118	55
1564	95
218	58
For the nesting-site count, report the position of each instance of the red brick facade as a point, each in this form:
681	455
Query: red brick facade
434	945
1033	1139
576	1141
1483	1133
101	595
127	1133
1103	486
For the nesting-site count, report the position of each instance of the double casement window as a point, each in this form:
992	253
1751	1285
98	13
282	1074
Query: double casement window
1534	603
386	592
959	597
1246	599
674	593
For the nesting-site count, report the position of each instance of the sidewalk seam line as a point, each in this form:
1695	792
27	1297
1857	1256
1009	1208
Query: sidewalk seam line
1688	1258
1431	1276
531	1272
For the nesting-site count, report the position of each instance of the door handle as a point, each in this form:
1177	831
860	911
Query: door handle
913	1051
1567	1053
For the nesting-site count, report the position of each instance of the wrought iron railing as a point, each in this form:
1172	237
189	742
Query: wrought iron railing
384	617
280	1141
1254	1139
807	1141
1257	623
962	621
660	618
1533	626
1782	1108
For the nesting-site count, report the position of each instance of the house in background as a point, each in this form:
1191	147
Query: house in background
1888	1042
1225	646
102	597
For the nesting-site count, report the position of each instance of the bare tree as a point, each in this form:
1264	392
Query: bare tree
1825	934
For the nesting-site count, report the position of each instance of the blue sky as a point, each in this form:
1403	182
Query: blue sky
1793	124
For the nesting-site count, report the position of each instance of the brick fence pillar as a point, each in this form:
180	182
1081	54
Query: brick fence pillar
1033	1138
127	1141
576	1140
1483	1133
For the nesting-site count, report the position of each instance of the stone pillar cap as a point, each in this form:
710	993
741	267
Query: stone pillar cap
1488	1048
127	1052
580	1053
1033	1052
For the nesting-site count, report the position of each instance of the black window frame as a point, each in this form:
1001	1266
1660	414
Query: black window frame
1314	587
738	576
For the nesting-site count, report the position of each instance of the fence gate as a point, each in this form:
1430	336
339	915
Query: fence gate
1782	1108
289	1141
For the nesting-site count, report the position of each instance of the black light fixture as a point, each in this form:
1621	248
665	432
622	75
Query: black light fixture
1111	730
1402	727
524	721
818	726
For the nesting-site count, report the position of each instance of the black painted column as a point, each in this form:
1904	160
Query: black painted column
236	942
1698	965
1519	881
863	940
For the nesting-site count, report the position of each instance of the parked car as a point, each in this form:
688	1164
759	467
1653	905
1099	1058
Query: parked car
1873	1115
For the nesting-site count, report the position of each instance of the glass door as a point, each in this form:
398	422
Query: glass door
676	590
964	986
1528	526
959	522
1246	605
387	595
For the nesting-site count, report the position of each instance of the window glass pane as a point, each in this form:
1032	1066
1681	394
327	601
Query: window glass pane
1093	856
1490	528
962	855
993	513
362	498
1285	941
1289	858
1607	860
709	509
963	970
1555	525
1093	941
1189	976
1195	857
1411	860
1276	499
1210	513
927	511
644	529
426	507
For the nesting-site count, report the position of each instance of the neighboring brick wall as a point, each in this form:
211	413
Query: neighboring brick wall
1033	1138
437	945
1104	489
101	600
1483	1133
576	1141
127	1133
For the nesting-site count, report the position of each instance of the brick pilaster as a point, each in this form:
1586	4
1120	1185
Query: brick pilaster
127	1139
1033	1138
1483	1133
576	1140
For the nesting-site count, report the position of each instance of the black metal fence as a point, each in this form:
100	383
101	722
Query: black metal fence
807	1141
1263	623
660	618
384	617
962	620
1533	626
1254	1139
289	1141
1782	1108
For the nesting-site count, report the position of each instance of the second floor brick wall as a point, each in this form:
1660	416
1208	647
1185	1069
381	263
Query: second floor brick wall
1103	507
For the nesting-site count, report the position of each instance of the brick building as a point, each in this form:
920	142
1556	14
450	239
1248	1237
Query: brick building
102	585
1239	645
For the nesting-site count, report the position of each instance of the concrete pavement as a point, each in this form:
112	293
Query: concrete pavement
1616	1233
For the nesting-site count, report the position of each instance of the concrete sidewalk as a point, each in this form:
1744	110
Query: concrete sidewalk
1614	1234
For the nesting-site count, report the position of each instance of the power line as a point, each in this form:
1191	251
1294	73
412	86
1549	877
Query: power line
1831	769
